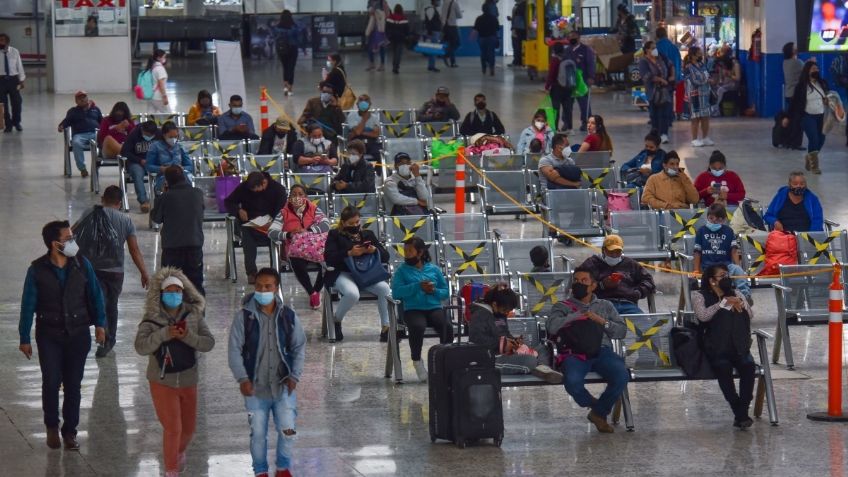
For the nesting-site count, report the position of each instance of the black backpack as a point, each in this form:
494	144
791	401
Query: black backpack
98	240
580	336
752	218
434	23
174	356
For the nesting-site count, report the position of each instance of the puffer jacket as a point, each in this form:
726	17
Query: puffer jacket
153	329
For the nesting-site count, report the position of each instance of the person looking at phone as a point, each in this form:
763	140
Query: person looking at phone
422	287
621	280
718	184
315	153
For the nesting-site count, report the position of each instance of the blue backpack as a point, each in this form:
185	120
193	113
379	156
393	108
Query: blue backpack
144	85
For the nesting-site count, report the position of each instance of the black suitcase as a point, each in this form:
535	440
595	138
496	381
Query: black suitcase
442	361
477	409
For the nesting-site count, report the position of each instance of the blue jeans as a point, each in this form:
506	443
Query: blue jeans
610	366
138	174
349	296
742	284
79	144
258	411
488	45
812	125
62	361
435	37
624	307
373	56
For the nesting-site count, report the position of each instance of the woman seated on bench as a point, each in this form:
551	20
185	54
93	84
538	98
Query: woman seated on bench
349	239
422	287
726	321
488	326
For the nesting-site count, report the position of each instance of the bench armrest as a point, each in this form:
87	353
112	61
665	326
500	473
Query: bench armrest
764	335
684	256
830	224
781	288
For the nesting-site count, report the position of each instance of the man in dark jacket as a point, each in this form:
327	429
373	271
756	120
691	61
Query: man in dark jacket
356	176
180	211
584	58
83	119
259	195
481	120
621	280
135	150
324	111
278	138
62	292
439	108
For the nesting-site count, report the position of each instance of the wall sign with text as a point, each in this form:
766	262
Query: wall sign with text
90	18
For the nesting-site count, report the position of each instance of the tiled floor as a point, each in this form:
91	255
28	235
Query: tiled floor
352	421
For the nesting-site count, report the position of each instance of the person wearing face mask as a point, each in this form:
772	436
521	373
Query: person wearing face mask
12	78
557	169
538	129
172	331
807	109
278	138
62	293
658	75
405	191
718	184
324	110
729	77
356	175
698	91
439	108
167	152
236	124
636	171
488	326
83	119
584	57
349	239
314	153
365	125
266	352
336	74
180	211
114	130
156	65
134	149
715	244
481	120
300	215
258	196
795	208
725	318
583	304
422	288
671	189
203	112
621	280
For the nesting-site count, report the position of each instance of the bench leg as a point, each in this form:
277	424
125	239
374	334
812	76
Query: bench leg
778	340
766	380
628	412
327	316
393	348
616	412
760	397
787	345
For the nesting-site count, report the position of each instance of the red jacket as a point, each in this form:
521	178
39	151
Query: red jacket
105	130
736	189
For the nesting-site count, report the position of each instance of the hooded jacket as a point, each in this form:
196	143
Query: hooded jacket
247	348
486	329
153	329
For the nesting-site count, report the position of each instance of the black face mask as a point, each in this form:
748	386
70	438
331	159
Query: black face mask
352	230
481	106
815	75
726	285
579	290
572	41
797	191
411	261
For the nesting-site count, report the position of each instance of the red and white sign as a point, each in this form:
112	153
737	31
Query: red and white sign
93	3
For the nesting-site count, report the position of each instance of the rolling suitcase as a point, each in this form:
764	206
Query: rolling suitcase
477	409
442	361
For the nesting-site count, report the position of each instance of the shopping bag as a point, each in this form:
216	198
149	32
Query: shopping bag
224	186
308	246
547	106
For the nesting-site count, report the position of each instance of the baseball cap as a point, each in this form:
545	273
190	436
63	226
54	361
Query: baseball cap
613	242
401	156
443	90
80	93
282	123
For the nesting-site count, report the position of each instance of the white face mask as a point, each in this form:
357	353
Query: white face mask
317	141
539	125
672	172
237	111
354	159
612	261
403	170
70	248
171	140
655	52
329	64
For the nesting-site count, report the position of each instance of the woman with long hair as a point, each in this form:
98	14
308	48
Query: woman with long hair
598	138
809	103
375	33
336	74
657	76
698	91
114	130
203	112
156	65
397	30
288	38
538	129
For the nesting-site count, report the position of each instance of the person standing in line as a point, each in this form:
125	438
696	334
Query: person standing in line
288	40
397	30
111	275
12	78
486	26
180	211
433	30
267	349
156	65
450	31
518	27
171	333
808	104
62	293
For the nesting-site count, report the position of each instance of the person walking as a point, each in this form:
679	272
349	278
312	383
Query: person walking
62	293
12	78
375	32
808	108
486	27
697	78
267	349
109	268
450	31
287	42
156	65
180	211
518	29
171	333
433	30
397	30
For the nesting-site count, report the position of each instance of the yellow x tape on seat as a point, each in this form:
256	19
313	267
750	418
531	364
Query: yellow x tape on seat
644	339
759	261
469	259
408	233
595	183
548	293
821	247
687	226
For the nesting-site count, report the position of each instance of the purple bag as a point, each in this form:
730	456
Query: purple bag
224	186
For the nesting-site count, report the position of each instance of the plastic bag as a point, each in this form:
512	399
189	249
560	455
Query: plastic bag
98	240
582	89
547	106
440	149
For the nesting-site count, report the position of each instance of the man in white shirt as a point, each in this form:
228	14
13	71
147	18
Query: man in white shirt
11	83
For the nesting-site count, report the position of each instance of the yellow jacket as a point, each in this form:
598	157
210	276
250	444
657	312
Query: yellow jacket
665	192
194	114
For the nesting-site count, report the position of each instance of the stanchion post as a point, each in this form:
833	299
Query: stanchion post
263	108
834	358
459	190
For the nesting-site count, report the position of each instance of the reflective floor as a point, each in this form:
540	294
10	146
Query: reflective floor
351	420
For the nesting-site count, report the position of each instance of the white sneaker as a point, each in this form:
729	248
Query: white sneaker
708	142
697	143
664	138
420	370
548	374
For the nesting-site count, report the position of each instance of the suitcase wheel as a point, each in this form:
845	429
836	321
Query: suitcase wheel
460	443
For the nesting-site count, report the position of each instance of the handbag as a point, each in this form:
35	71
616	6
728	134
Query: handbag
660	96
348	98
366	270
307	246
688	353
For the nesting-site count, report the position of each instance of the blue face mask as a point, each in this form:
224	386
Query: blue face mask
717	172
172	300
364	105
263	298
713	227
148	138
